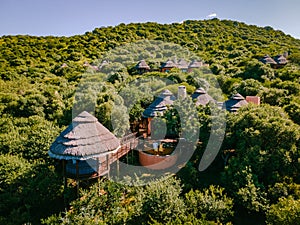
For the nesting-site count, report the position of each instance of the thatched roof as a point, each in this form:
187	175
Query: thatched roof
64	65
169	64
268	60
182	64
160	104
142	65
103	63
84	138
195	64
280	59
235	102
202	98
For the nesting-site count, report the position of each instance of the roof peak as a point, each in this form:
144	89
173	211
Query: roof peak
166	92
200	90
85	117
237	96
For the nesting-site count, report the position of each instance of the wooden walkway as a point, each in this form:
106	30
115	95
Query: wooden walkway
127	143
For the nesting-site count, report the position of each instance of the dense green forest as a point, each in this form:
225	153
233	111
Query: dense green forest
255	178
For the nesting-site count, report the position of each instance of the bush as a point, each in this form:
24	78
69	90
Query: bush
285	212
212	202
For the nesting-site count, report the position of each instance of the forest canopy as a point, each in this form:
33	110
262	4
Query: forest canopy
254	179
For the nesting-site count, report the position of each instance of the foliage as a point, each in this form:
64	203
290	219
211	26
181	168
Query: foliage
27	137
211	202
113	203
286	211
249	134
28	191
43	80
120	118
104	203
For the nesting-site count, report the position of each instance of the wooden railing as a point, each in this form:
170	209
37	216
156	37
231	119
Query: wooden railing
128	138
128	142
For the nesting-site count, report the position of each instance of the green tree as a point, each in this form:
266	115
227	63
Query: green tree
28	191
249	132
212	203
293	109
285	212
161	201
249	87
119	118
27	137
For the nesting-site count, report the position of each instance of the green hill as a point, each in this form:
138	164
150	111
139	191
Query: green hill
257	166
223	42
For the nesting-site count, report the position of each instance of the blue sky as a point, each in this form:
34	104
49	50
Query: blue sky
70	17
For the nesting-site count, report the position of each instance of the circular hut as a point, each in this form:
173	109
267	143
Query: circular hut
268	60
142	67
160	104
84	147
195	64
280	60
201	97
157	107
183	65
235	103
167	66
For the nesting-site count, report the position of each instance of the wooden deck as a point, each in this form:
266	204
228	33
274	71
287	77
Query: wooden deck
127	143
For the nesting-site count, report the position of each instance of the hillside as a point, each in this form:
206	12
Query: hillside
39	79
213	40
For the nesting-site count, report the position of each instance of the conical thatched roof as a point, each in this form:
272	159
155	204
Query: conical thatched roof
160	104
268	60
195	64
169	64
235	102
280	59
182	64
142	65
83	139
202	98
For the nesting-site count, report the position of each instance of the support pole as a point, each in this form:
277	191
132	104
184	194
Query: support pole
118	164
98	166
64	173
65	182
98	185
77	178
126	154
131	152
107	165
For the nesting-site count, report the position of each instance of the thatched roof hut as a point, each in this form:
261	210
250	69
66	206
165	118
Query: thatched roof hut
85	138
64	65
235	103
168	65
142	65
280	59
103	64
201	97
160	104
183	65
268	60
196	64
